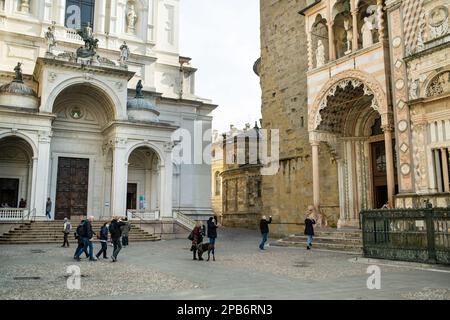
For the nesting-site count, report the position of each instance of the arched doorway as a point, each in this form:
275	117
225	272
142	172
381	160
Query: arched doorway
79	182
16	173
143	182
349	121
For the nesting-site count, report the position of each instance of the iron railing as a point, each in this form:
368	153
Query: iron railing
418	235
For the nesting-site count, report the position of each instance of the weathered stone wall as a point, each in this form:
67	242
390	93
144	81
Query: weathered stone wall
284	62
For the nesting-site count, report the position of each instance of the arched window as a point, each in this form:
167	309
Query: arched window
79	13
217	183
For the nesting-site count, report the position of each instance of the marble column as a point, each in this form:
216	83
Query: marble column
389	164
355	29
42	175
316	175
31	202
119	180
445	169
332	49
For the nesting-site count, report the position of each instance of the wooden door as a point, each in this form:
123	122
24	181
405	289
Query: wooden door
72	187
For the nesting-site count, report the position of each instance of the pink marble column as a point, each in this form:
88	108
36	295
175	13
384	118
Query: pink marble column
316	180
389	164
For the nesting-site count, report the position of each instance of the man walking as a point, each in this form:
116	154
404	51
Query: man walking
116	233
48	208
264	226
87	234
66	229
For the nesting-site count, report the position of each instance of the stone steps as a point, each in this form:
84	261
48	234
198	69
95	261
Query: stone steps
326	239
51	232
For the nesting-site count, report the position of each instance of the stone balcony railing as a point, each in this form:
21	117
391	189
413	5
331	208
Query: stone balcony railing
13	214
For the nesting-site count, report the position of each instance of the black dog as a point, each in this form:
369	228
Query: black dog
203	247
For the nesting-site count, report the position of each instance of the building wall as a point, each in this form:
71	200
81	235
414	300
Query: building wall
154	59
284	63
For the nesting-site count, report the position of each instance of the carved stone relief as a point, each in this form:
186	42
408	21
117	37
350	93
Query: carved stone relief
438	22
439	84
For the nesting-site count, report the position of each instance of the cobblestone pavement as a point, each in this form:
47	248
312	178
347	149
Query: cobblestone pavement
165	270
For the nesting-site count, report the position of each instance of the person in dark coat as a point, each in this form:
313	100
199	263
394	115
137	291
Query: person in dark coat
87	235
212	232
197	233
78	236
116	233
264	226
309	227
103	236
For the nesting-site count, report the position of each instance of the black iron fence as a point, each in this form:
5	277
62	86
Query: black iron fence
419	235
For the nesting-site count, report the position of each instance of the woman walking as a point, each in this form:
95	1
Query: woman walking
309	227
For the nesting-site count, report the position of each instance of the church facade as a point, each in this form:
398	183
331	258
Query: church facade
94	111
364	119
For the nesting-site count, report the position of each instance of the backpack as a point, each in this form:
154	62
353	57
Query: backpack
104	232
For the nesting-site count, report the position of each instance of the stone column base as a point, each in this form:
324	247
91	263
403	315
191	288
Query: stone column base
348	223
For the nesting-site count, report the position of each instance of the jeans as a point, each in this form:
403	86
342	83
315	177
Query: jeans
87	244
47	213
82	248
124	240
309	240
263	241
117	247
103	250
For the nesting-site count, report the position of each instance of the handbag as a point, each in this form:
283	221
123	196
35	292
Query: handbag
191	236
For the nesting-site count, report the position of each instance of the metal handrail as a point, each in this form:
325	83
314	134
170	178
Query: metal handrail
132	214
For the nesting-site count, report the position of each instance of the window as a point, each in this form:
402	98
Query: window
218	183
2	5
79	13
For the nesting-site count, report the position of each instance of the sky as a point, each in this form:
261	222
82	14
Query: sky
222	38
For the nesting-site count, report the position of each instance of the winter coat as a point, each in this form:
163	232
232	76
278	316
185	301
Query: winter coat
309	229
87	230
67	227
212	229
125	229
198	237
115	229
104	234
264	225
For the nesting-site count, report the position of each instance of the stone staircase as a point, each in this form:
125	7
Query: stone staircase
346	240
51	232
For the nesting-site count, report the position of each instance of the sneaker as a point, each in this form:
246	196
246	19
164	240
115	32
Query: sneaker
77	258
93	259
308	248
113	259
105	258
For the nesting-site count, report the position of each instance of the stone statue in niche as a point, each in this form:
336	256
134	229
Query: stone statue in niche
139	87
320	54
349	35
25	6
131	19
124	53
366	30
51	39
18	71
414	90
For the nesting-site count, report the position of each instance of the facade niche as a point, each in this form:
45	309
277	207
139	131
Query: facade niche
319	39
